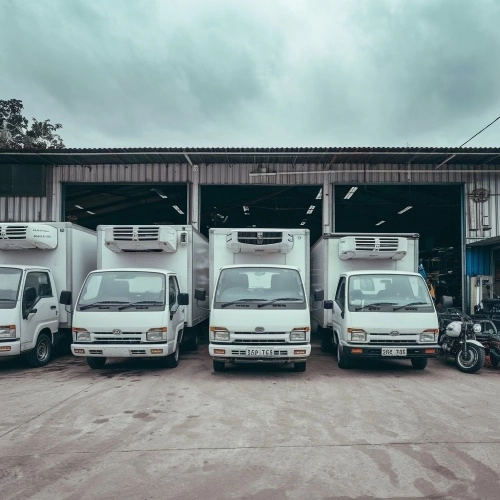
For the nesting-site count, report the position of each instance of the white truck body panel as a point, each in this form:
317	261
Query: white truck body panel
65	253
259	329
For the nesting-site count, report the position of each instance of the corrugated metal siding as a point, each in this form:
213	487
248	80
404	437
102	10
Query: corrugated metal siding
477	261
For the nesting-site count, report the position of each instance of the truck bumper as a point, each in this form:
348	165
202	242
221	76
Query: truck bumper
123	351
412	351
264	353
10	348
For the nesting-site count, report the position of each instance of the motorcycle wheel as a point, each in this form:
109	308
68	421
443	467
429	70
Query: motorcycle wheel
471	360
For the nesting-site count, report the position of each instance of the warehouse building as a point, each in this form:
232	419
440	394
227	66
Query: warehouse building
449	196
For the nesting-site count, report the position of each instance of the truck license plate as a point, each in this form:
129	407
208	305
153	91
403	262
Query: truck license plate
394	351
259	352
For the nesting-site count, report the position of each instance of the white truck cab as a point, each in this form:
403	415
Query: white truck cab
379	306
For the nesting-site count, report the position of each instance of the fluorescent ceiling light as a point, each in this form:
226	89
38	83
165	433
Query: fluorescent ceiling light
350	192
409	207
320	194
177	208
91	213
78	206
246	210
159	193
303	223
381	222
310	209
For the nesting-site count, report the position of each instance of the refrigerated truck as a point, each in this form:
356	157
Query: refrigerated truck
42	267
138	303
378	305
259	304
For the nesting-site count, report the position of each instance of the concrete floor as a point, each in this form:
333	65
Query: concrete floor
135	430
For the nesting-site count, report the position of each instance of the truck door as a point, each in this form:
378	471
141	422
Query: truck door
176	312
339	307
39	306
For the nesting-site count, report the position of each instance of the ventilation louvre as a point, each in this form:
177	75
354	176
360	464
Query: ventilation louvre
372	247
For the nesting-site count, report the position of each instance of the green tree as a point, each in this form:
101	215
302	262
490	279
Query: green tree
17	133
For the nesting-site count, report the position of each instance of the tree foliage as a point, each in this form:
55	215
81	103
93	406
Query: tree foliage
17	133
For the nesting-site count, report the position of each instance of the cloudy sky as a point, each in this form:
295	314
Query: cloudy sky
256	73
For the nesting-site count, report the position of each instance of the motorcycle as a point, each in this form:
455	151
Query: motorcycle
487	313
457	337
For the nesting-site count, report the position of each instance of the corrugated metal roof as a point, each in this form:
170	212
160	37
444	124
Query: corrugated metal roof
438	157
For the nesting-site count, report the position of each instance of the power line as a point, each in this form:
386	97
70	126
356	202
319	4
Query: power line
480	131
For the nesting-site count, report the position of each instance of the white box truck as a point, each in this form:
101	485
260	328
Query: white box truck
42	267
378	305
259	281
136	304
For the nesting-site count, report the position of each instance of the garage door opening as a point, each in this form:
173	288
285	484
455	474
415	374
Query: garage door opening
434	212
89	205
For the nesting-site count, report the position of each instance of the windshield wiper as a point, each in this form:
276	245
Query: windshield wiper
276	300
142	303
236	301
104	302
411	304
375	305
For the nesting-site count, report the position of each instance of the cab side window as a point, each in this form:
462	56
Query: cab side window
173	291
37	285
340	294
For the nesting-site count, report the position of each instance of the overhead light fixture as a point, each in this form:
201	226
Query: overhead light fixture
159	193
320	194
310	210
91	213
379	223
409	207
303	223
78	206
350	192
246	210
178	209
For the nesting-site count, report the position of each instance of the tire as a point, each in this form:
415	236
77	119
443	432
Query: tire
326	340
342	361
96	363
418	363
172	360
494	358
473	360
40	355
300	366
192	342
219	366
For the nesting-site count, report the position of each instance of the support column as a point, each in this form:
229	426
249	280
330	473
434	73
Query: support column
194	198
328	224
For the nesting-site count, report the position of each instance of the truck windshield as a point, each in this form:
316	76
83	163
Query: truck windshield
252	287
9	287
116	289
388	292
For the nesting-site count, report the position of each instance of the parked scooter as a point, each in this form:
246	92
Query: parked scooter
457	337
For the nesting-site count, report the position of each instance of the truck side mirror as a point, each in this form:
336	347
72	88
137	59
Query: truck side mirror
319	295
65	298
328	304
200	294
183	299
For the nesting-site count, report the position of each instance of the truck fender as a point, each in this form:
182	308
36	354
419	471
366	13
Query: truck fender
475	342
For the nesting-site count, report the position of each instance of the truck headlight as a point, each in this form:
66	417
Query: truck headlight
429	335
299	333
356	334
81	335
156	334
8	332
219	333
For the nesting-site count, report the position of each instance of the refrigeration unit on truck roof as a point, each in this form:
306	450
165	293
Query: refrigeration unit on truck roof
259	241
27	236
143	238
372	247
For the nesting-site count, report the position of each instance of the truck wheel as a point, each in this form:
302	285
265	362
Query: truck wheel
300	367
192	342
342	361
219	366
172	360
418	363
40	355
326	340
471	359
96	363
